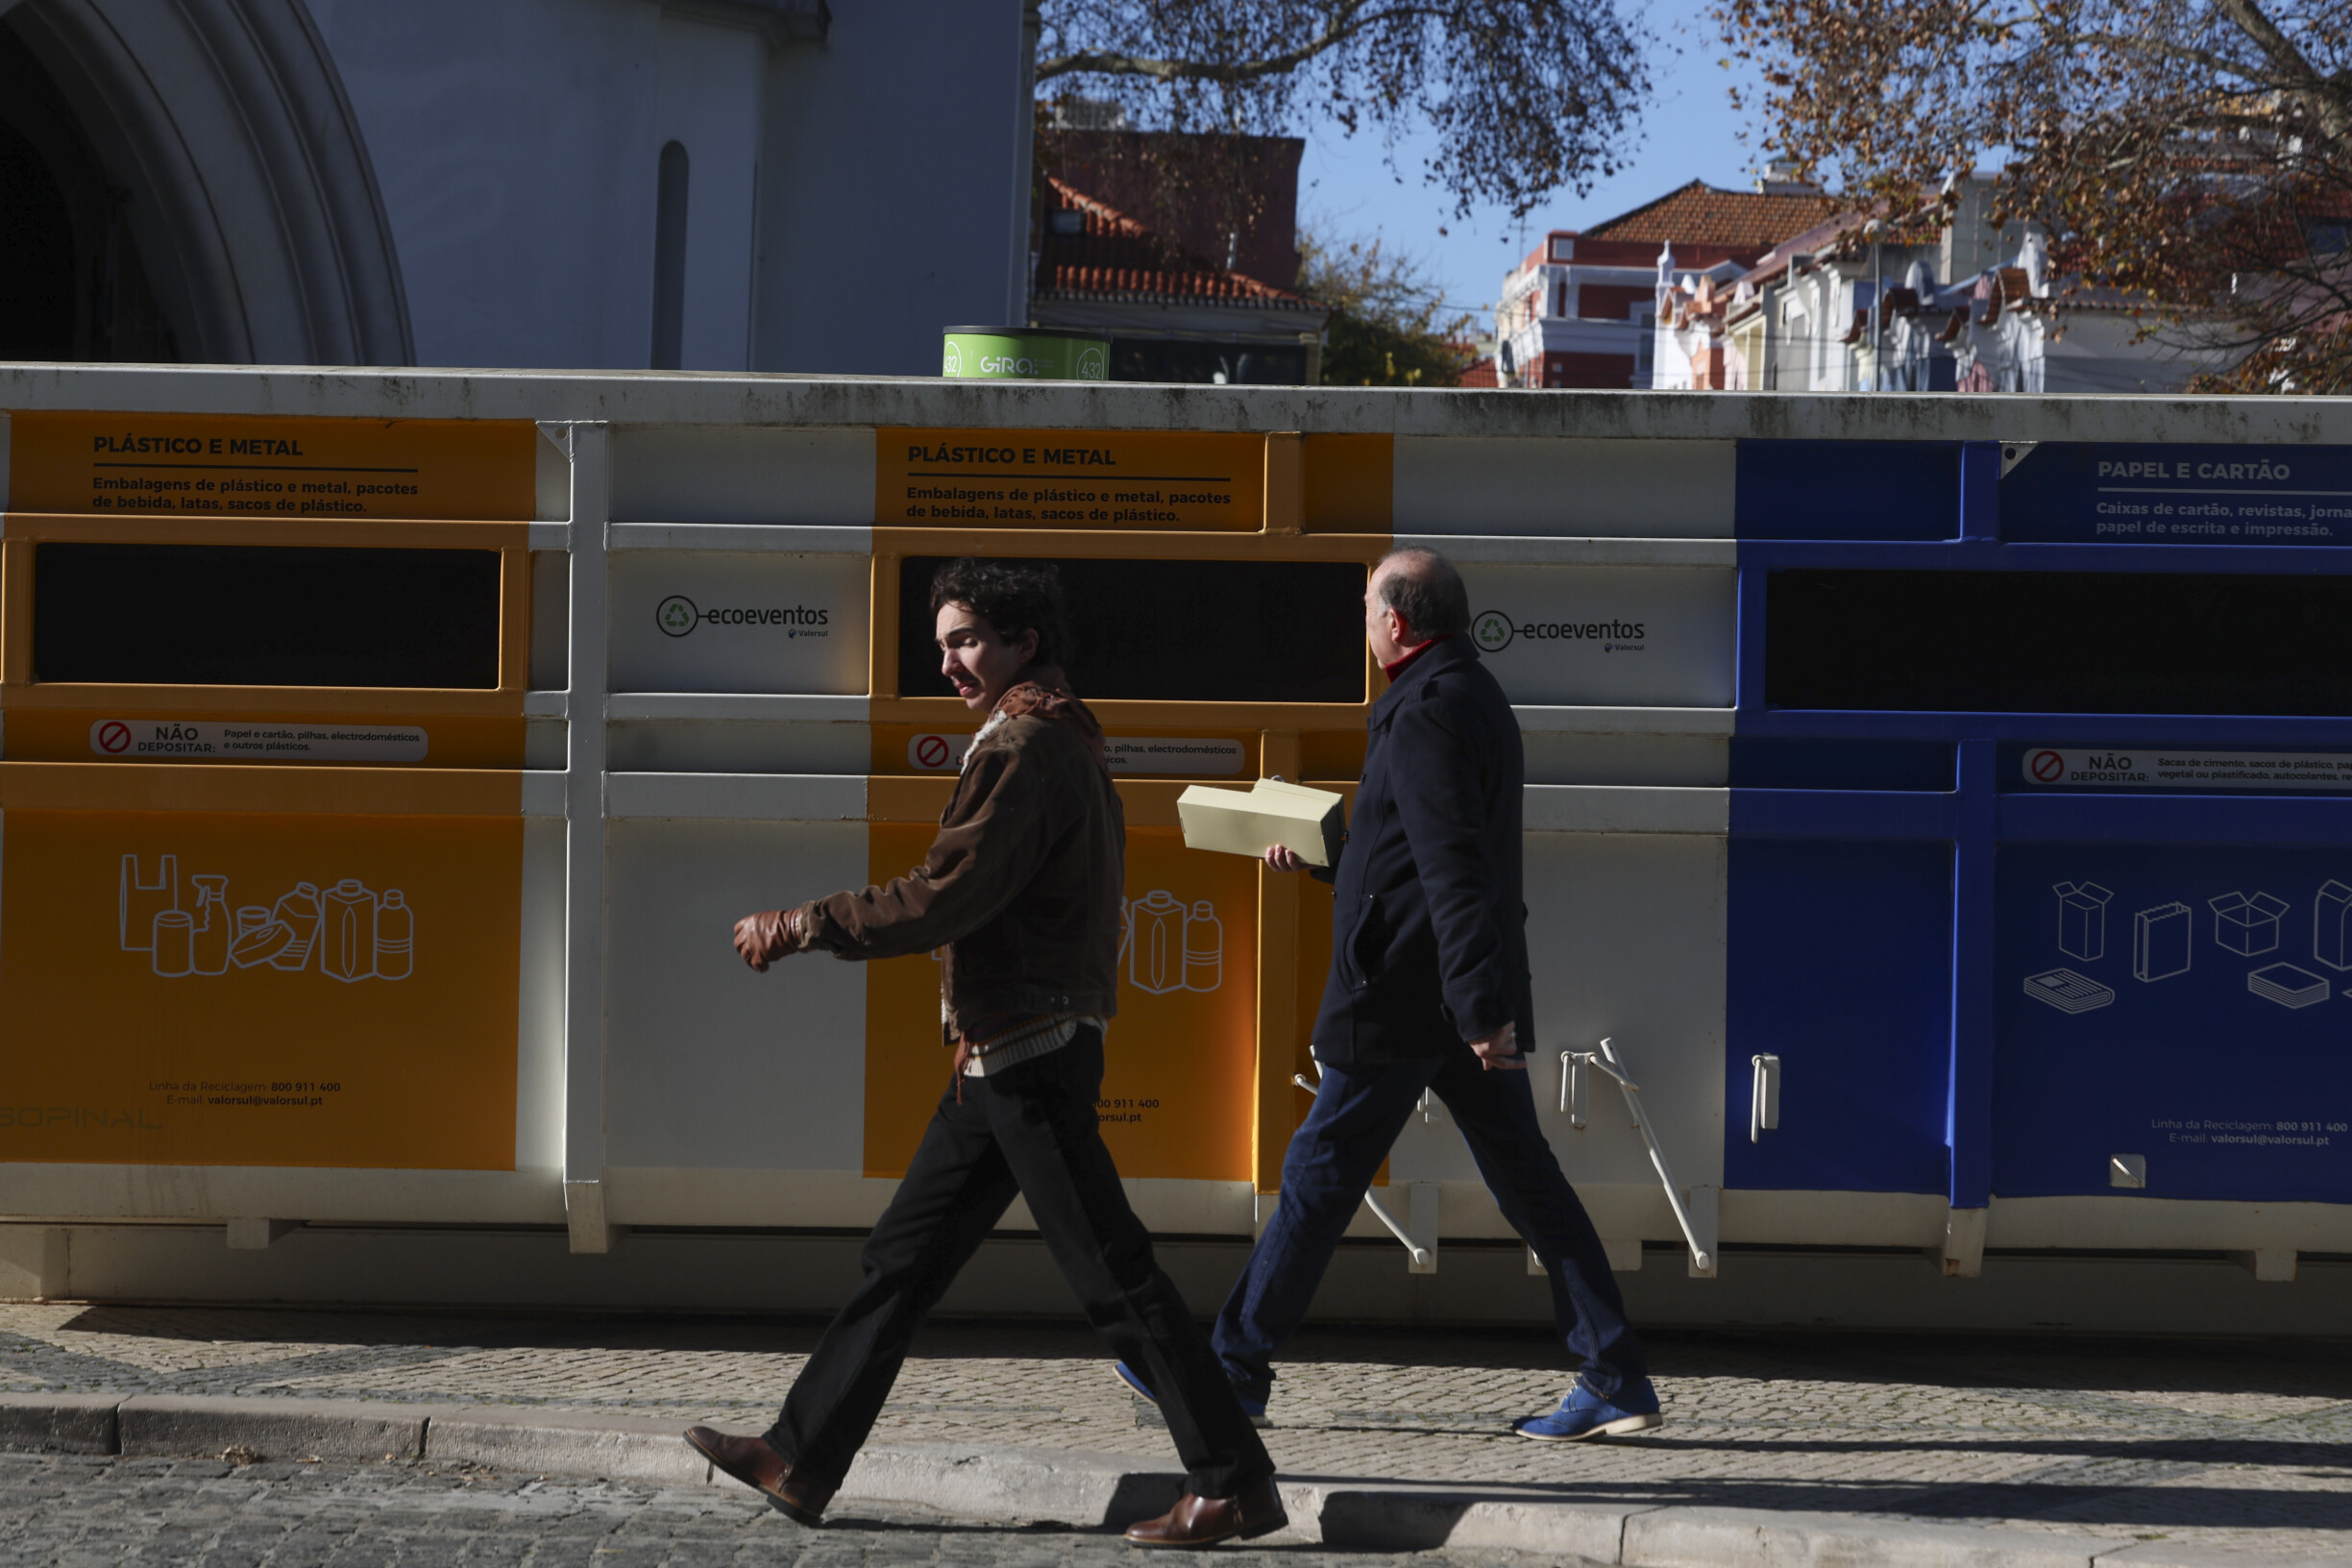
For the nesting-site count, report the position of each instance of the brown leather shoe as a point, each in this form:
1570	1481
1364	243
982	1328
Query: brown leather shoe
1205	1521
753	1462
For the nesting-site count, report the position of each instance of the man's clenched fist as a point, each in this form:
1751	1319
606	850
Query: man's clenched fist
768	936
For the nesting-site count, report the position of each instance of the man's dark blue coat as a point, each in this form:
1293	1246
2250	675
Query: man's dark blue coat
1429	932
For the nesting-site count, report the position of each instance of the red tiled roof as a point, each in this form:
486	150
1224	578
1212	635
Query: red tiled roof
1700	214
1479	373
1114	257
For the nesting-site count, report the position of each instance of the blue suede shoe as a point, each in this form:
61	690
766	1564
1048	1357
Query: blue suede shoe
1584	1414
1254	1408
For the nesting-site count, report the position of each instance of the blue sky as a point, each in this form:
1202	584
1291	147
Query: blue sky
1348	189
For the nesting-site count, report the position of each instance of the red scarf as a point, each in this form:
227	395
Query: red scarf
1405	663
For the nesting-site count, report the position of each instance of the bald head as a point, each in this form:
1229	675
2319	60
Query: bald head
1425	591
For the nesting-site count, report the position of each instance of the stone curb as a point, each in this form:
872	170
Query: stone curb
1087	1491
164	1425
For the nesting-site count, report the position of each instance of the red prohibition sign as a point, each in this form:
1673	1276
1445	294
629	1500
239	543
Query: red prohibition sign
114	736
2047	766
931	752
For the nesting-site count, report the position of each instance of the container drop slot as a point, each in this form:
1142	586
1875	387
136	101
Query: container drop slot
2058	641
1181	632
266	615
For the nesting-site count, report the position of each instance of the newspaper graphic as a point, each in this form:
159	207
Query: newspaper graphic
2161	939
2289	985
354	932
2068	992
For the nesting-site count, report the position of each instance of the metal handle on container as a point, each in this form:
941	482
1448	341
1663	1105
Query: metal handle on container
1764	1098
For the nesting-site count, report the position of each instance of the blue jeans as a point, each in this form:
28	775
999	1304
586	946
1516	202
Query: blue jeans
1331	1160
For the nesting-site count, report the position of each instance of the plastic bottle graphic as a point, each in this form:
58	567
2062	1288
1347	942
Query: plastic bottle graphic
299	913
141	900
1155	960
395	937
173	939
1204	948
347	933
210	942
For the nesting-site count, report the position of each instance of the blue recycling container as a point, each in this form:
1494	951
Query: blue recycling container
2041	860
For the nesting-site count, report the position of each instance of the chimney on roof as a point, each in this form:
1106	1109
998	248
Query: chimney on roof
1785	177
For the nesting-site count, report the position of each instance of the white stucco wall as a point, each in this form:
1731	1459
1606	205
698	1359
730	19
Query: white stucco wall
847	198
891	167
514	144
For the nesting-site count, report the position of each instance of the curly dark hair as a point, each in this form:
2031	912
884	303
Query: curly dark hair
1013	597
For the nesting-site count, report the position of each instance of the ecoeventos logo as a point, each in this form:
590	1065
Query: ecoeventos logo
1494	631
677	616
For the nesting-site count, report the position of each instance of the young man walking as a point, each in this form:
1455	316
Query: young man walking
1020	893
1430	990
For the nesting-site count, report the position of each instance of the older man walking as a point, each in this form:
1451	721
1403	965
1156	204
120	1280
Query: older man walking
1430	990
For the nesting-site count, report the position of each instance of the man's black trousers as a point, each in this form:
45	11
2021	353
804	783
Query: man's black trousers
1030	1129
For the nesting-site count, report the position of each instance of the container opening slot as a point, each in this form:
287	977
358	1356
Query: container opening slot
266	615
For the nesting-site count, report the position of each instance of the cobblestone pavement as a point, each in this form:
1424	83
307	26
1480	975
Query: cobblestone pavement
64	1510
2230	1444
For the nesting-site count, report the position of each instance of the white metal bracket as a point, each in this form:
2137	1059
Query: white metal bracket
1418	1231
1699	1233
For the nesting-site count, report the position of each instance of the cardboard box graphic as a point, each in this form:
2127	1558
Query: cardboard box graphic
2161	939
2247	926
2332	925
2082	919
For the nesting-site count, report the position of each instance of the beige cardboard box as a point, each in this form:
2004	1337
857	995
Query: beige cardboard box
1269	812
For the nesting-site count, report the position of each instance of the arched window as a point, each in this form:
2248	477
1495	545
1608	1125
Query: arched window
220	203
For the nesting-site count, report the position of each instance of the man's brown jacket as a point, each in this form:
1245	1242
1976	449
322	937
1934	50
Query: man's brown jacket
1022	886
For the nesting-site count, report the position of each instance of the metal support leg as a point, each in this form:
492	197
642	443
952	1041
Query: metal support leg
1420	1237
1700	1231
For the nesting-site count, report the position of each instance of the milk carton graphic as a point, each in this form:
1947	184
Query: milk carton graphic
300	913
1155	944
347	931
